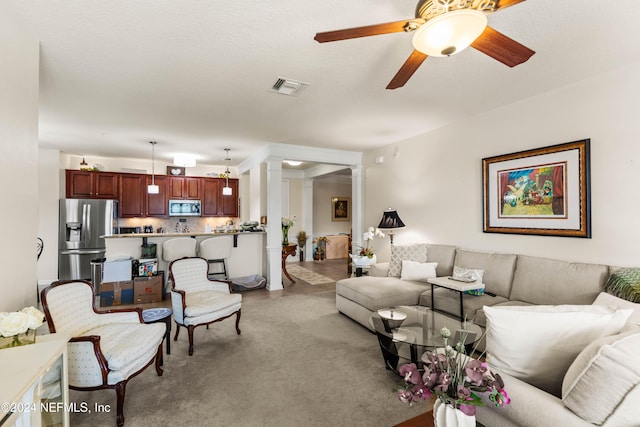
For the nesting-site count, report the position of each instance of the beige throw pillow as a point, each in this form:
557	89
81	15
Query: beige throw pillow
538	343
601	376
613	301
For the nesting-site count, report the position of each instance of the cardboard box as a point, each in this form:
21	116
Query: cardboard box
148	289
116	293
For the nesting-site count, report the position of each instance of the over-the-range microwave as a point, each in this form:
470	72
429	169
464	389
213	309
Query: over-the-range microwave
184	207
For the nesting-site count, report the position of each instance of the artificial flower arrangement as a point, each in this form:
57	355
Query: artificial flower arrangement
453	377
368	237
16	324
286	224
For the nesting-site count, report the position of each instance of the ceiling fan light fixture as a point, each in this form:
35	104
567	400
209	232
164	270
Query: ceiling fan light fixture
449	33
293	162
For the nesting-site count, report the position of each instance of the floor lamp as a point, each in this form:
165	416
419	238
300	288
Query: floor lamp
390	221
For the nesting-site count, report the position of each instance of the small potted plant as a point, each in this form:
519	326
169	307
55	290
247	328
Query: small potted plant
302	241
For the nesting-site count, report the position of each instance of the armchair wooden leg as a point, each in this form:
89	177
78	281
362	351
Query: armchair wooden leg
120	392
175	338
238	322
190	328
159	358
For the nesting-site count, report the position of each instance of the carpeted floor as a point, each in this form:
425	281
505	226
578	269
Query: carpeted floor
298	362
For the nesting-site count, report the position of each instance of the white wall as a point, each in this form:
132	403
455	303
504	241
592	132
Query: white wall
19	52
323	191
49	183
437	177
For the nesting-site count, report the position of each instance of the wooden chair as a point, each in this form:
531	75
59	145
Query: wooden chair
107	348
198	300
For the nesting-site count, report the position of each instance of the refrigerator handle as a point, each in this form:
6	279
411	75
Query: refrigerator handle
86	222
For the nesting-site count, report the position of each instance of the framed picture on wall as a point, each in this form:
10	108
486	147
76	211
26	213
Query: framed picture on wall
545	191
341	209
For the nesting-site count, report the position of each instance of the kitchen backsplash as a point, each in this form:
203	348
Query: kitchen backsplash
169	225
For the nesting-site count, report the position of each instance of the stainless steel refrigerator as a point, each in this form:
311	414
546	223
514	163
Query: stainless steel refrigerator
82	223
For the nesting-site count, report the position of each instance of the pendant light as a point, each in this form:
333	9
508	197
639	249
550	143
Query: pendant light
226	190
153	188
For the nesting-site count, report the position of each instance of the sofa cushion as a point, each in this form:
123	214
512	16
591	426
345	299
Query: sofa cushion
449	302
538	343
549	281
413	252
605	298
498	269
444	255
375	293
611	364
417	271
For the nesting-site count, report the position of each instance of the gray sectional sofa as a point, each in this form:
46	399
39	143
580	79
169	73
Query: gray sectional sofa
520	280
509	279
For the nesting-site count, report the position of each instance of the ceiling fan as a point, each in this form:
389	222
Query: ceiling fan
444	28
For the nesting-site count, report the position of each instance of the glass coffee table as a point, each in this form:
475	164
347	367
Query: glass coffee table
406	332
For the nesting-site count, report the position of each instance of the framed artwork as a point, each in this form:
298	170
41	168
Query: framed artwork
545	191
341	209
175	170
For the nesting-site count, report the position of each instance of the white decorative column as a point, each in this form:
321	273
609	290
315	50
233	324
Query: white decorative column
357	208
308	217
274	223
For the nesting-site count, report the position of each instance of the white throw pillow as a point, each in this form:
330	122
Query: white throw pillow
413	252
613	301
537	343
608	365
418	271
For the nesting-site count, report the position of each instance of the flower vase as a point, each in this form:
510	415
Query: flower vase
445	415
24	338
285	236
363	261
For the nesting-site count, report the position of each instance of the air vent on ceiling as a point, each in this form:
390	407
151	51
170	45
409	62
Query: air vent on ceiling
289	87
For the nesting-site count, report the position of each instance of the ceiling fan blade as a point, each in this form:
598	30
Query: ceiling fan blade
502	48
503	4
408	68
353	33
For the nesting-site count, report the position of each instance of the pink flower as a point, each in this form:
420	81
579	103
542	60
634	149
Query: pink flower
410	373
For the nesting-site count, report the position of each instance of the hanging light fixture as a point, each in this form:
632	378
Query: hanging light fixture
226	190
153	188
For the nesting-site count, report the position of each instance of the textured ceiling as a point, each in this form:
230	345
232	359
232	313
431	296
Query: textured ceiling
195	75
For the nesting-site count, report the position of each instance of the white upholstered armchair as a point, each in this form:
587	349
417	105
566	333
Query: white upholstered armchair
197	300
107	348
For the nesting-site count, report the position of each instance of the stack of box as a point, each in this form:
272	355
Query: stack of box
116	286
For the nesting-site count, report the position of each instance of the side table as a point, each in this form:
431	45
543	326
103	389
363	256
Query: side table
287	250
454	285
154	315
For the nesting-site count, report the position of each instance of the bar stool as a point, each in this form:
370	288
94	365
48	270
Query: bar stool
216	250
177	248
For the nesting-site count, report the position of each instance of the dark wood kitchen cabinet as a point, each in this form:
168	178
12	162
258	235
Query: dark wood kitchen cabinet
184	187
158	204
214	203
135	201
132	195
91	185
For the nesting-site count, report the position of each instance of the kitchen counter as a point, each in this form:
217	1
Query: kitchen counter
174	234
248	256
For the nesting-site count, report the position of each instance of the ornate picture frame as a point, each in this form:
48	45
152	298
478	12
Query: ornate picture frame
341	209
544	191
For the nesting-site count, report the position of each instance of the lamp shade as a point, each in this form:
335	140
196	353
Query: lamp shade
153	189
227	191
449	33
391	220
